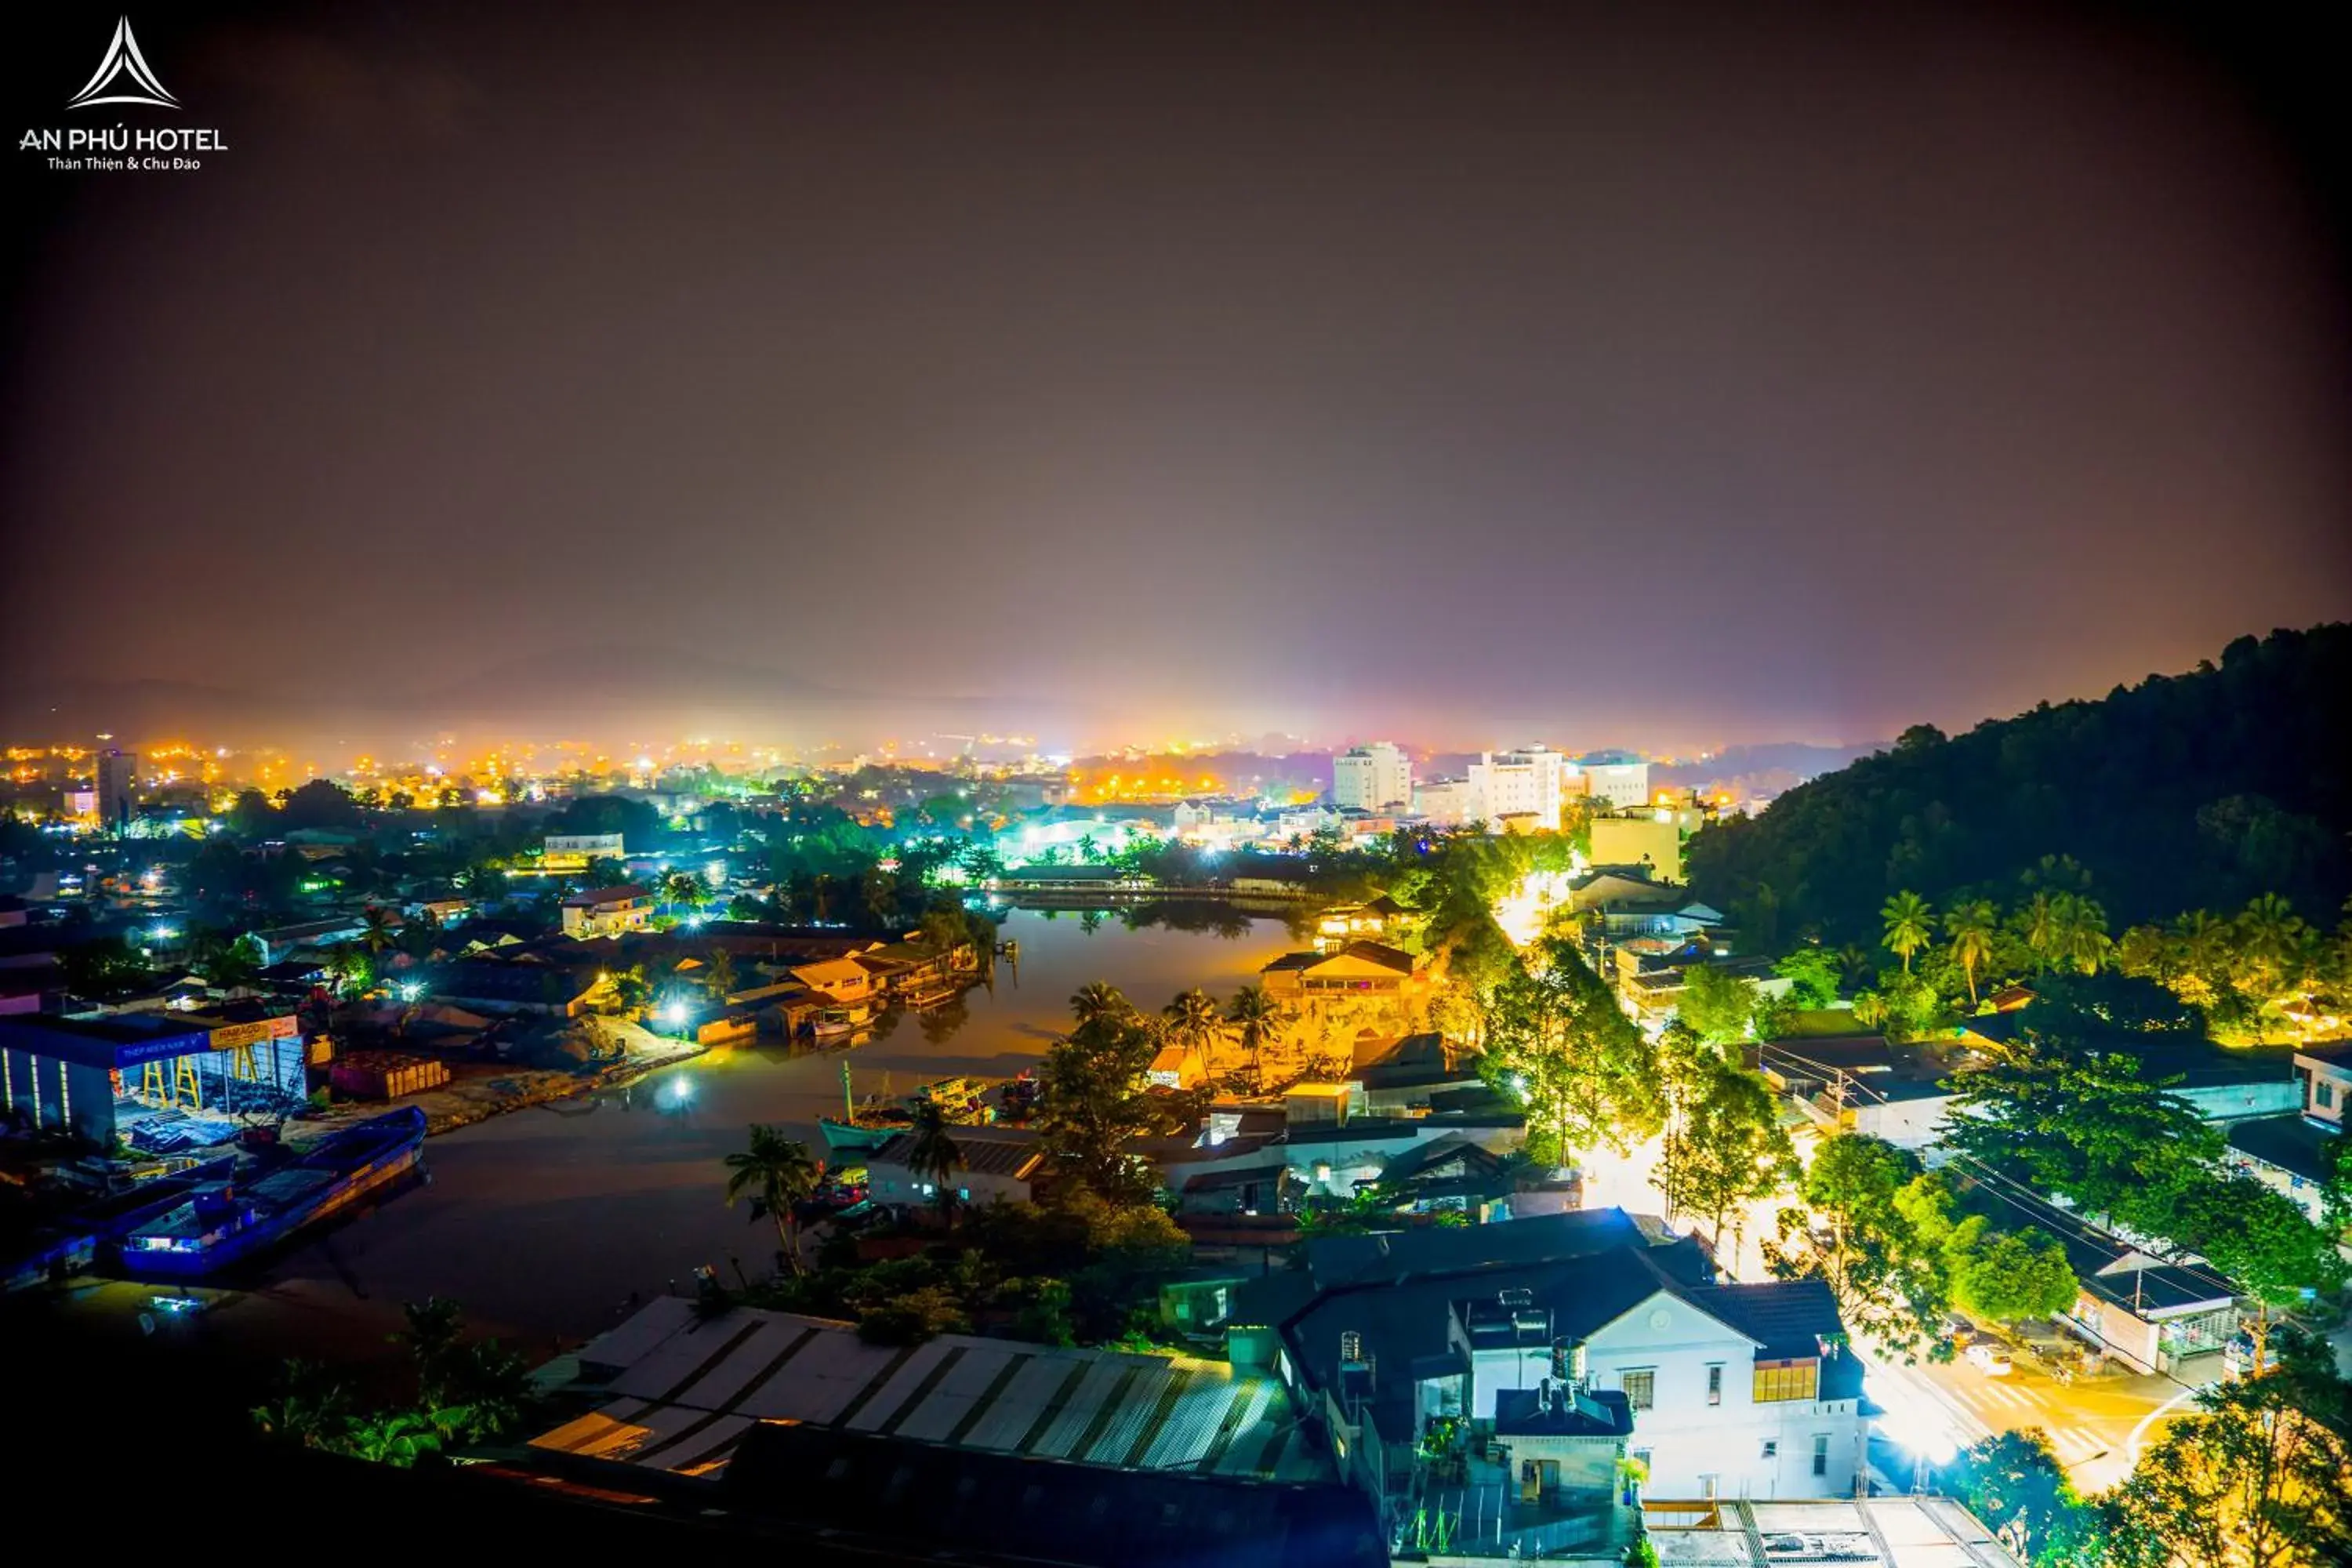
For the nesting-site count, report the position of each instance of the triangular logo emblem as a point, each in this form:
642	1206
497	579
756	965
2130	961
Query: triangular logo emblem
123	62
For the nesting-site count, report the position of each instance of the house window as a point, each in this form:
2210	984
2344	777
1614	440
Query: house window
1641	1388
1783	1380
1821	1452
2323	1094
1771	1448
1715	1384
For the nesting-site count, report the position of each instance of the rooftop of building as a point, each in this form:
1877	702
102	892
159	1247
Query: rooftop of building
1010	1151
598	898
682	1390
2292	1142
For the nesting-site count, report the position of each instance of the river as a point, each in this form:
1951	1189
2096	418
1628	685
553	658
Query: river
543	1222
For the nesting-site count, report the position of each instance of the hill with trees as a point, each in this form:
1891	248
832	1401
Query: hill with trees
2208	790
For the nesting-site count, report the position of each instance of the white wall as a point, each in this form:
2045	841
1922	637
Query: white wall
1689	1439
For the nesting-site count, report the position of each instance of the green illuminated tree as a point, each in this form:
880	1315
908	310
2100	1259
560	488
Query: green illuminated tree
1910	925
1557	1039
1727	1148
1889	1280
1973	927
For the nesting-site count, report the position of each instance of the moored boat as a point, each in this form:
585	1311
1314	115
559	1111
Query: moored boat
862	1126
225	1222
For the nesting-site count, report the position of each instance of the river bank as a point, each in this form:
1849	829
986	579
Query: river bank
624	1053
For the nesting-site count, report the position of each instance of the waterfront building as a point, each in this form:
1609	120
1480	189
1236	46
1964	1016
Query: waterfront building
608	911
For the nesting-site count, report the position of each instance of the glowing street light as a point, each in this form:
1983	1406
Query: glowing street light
411	990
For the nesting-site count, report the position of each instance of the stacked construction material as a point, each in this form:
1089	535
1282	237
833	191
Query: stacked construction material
386	1075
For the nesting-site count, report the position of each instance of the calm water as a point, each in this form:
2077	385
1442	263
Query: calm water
543	1222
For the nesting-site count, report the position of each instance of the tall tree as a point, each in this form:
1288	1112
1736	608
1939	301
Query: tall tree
1194	1024
2085	1125
1557	1039
2259	1476
377	928
1910	925
1717	1004
685	891
1972	926
1096	1000
774	1173
1888	1281
1729	1148
2014	1482
934	1156
1257	1018
1093	1103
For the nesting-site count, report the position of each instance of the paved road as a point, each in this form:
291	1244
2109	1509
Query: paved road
2096	1425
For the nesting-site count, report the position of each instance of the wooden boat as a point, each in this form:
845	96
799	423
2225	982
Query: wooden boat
863	1125
224	1224
834	1023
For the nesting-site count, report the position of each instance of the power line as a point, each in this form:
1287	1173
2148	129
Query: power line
2041	1209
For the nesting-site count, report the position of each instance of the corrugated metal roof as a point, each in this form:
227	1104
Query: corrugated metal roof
687	1386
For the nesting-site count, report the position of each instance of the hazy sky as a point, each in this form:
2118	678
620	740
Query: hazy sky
1651	375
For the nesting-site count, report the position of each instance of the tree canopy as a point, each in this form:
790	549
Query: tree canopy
2195	791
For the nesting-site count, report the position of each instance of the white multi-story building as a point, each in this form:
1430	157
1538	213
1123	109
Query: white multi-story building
1446	802
1376	777
1618	779
1733	1390
1518	790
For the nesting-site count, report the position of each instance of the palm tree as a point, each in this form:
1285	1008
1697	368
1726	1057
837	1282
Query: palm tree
719	973
2269	932
2040	923
376	929
933	1154
1194	1023
2080	931
1910	924
1970	927
1870	1009
604	871
1086	848
1258	1017
774	1173
1096	1000
2204	942
685	891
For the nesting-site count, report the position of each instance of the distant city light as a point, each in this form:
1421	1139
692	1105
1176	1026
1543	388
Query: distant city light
163	933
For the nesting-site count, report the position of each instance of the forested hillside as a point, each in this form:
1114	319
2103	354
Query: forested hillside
2200	791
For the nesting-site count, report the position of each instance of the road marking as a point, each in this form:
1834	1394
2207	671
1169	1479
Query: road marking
2131	1444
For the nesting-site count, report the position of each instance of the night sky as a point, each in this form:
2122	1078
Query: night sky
1645	375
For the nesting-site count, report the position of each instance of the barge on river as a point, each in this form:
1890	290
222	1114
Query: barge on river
224	1224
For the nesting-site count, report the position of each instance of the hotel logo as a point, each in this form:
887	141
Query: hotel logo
123	59
124	76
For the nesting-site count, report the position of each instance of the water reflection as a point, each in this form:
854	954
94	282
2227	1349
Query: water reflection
542	1219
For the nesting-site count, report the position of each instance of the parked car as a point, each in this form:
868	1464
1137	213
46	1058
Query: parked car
1960	1331
1991	1360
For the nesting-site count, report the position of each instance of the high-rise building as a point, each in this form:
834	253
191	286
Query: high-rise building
1371	778
118	785
1618	779
1518	791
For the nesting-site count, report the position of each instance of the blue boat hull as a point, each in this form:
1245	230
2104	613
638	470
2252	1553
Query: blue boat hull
339	1173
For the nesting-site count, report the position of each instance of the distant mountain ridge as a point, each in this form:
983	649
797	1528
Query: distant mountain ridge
2197	791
